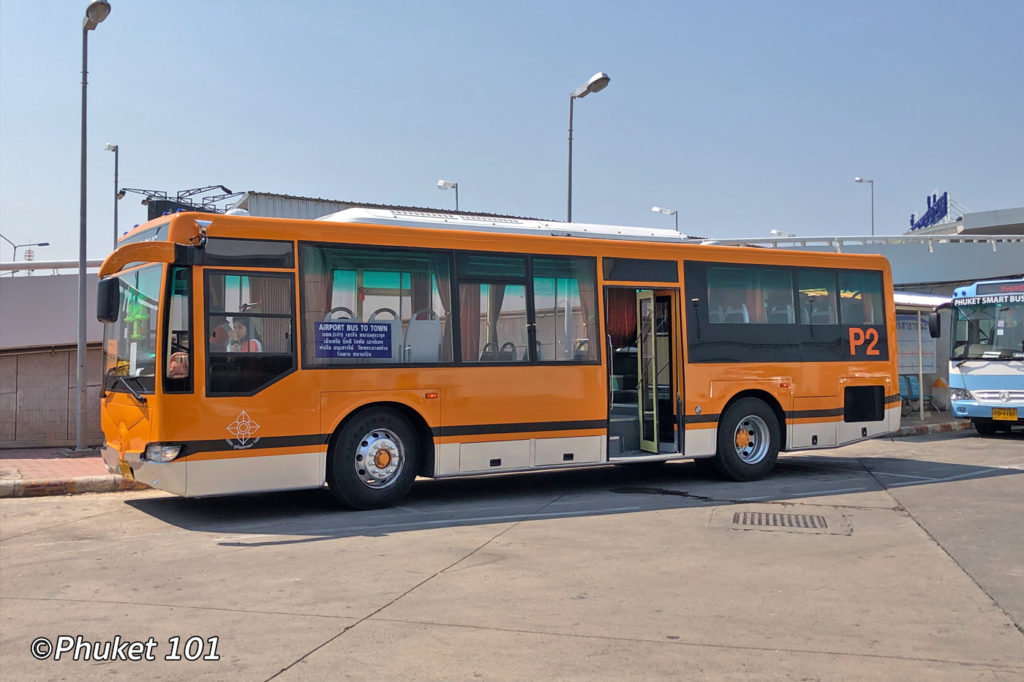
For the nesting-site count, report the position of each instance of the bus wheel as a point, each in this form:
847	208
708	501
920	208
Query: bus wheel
984	427
374	460
748	440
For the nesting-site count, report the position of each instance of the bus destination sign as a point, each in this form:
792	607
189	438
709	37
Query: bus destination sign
337	339
1001	288
994	298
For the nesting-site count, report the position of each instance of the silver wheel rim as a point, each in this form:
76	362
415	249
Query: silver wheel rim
379	458
751	439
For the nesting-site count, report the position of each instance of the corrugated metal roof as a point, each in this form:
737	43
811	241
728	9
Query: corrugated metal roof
268	204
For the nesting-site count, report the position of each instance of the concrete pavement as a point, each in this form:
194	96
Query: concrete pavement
642	572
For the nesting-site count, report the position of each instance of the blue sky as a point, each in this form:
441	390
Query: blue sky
745	116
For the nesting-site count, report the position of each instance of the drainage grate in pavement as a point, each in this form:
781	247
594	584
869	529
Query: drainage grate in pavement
770	518
748	518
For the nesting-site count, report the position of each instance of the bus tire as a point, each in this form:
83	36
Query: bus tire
373	461
748	440
984	427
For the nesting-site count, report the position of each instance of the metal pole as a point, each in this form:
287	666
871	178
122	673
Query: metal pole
920	366
873	216
568	212
117	151
676	214
80	410
456	197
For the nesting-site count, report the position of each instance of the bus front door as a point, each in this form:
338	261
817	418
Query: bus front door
647	366
656	384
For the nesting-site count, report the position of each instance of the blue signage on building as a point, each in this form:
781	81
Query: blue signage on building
938	208
337	339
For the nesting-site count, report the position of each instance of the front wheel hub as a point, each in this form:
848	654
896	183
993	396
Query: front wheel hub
752	439
379	458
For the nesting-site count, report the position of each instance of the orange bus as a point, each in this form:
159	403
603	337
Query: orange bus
370	347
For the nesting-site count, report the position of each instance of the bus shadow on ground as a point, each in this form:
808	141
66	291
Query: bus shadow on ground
312	515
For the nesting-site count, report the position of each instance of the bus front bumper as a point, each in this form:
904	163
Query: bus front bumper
1010	413
169	476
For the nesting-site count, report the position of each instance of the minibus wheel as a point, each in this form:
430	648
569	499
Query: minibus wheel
748	440
984	427
374	459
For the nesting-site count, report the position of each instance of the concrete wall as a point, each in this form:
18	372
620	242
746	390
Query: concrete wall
39	363
38	397
42	310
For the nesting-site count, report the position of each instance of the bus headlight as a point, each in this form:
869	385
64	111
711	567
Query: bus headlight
960	394
158	452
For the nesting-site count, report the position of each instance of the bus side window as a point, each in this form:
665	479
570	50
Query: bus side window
178	345
249	321
817	297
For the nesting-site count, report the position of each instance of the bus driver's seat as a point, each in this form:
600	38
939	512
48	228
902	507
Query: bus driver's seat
423	337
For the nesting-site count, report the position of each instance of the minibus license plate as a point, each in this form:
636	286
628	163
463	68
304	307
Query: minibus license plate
126	470
1005	413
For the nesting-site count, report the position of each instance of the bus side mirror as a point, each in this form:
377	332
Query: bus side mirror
933	325
108	299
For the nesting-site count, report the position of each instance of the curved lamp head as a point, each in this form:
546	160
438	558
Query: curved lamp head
666	211
598	82
862	180
110	147
444	184
780	233
95	13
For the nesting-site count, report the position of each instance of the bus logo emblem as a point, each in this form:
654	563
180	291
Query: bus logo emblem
244	430
1004	396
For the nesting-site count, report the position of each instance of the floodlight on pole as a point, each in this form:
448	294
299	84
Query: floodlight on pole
445	184
667	211
872	183
95	13
598	82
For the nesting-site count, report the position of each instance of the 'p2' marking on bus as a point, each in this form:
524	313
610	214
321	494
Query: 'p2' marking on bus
859	337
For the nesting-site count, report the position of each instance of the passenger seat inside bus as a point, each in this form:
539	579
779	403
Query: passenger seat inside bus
393	323
422	341
736	315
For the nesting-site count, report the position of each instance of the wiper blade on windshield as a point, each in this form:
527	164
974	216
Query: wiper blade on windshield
135	394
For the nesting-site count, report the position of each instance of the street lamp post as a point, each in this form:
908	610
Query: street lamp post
14	258
111	147
18	246
444	184
95	13
13	245
667	211
872	182
598	82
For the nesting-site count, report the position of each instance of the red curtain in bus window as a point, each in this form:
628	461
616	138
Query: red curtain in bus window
271	295
621	316
469	321
421	293
869	308
584	274
495	296
755	304
444	290
316	280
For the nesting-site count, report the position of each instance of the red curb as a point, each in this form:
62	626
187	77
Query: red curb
71	486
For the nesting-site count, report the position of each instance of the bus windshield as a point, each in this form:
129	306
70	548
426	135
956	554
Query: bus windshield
988	331
129	345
